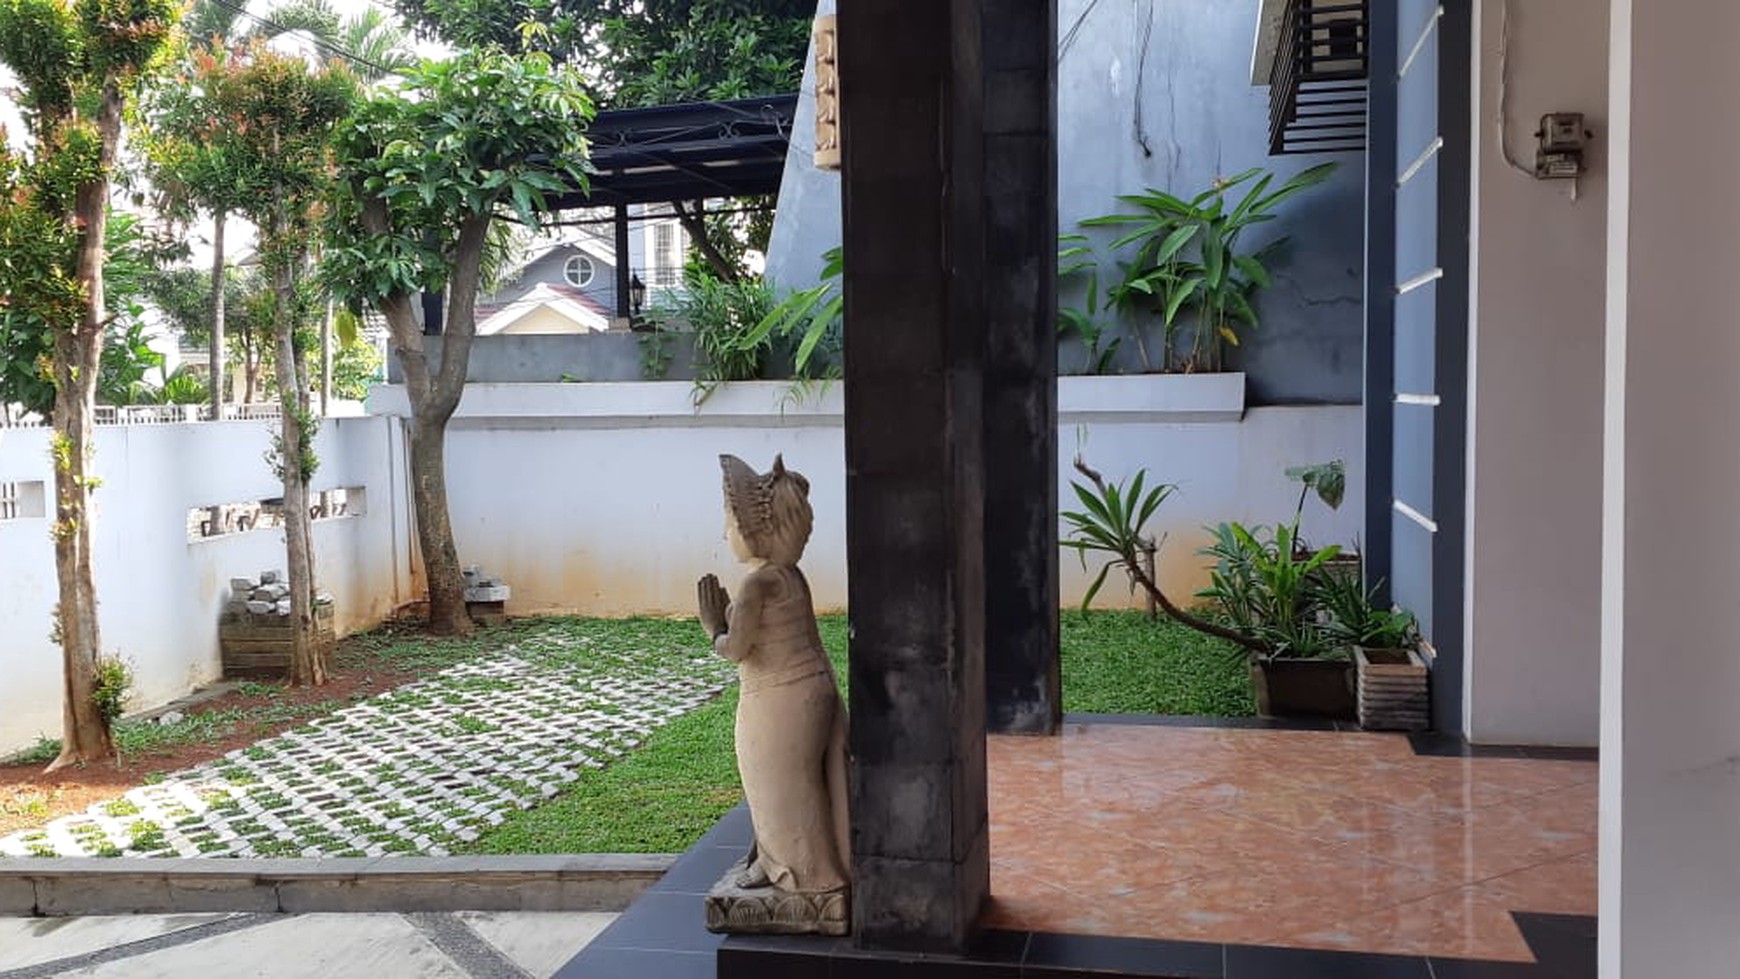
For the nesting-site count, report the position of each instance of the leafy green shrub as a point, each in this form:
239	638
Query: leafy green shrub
723	316
1075	258
812	319
1271	592
114	684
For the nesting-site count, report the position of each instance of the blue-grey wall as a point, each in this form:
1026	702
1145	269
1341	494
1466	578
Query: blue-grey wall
1157	93
550	357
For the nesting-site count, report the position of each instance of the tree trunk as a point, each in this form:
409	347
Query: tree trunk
307	658
695	223
433	401
85	734
250	372
447	612
217	319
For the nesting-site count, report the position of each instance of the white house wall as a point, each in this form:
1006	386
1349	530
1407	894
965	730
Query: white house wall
1535	370
160	595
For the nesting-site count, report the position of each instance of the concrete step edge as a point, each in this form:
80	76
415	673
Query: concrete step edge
88	886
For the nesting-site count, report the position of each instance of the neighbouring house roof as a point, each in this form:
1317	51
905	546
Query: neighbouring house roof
598	251
585	313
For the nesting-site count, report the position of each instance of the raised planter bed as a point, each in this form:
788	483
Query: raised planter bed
1304	688
1392	690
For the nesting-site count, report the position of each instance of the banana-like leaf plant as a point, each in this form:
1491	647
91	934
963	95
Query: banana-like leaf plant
1189	256
813	314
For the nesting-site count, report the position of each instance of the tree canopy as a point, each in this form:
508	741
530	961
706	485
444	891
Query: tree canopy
425	172
639	52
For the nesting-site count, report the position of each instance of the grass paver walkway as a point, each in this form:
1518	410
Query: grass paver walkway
422	769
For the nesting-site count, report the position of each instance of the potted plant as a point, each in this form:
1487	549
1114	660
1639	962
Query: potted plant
1271	591
1391	688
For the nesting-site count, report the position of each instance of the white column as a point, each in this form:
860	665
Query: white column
1533	594
1670	742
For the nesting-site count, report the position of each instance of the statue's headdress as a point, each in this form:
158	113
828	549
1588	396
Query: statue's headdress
772	509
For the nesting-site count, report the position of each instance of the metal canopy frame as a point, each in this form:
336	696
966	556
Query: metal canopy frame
688	152
668	154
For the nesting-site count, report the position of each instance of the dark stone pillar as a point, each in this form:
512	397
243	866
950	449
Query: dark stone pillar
913	195
1022	694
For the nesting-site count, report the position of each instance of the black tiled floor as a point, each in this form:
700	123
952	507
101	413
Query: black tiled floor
637	963
1437	745
1257	962
1054	955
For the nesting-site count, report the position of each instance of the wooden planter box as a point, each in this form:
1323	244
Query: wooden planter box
257	647
1304	688
1393	695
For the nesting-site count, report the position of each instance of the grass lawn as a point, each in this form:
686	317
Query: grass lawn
1121	663
661	797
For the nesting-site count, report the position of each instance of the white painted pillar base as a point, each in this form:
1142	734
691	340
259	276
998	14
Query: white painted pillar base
1670	742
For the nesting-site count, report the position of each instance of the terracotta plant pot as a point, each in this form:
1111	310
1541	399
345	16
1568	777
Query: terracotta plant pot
1393	695
1304	688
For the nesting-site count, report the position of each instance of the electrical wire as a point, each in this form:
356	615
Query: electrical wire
323	45
1504	90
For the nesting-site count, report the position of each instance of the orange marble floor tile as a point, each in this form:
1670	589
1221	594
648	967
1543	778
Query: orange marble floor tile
1312	839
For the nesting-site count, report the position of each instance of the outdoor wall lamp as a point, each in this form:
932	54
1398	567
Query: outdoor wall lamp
636	294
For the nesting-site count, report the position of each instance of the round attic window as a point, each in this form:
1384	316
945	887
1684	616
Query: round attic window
579	271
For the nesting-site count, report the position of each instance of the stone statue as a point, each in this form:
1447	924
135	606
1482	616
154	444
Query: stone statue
791	725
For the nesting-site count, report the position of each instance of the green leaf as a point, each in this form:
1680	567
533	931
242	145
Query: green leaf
1175	241
1098	582
1177	300
1253	270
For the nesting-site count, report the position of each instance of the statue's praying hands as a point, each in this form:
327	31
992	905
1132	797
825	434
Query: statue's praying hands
715	605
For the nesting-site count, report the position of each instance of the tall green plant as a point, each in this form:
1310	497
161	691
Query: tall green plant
723	317
812	316
426	171
1270	592
1189	256
79	64
1075	259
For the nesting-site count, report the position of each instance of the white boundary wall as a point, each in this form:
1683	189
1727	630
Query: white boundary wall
595	498
605	498
160	595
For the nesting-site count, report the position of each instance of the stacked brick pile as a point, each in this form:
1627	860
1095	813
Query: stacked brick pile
254	631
